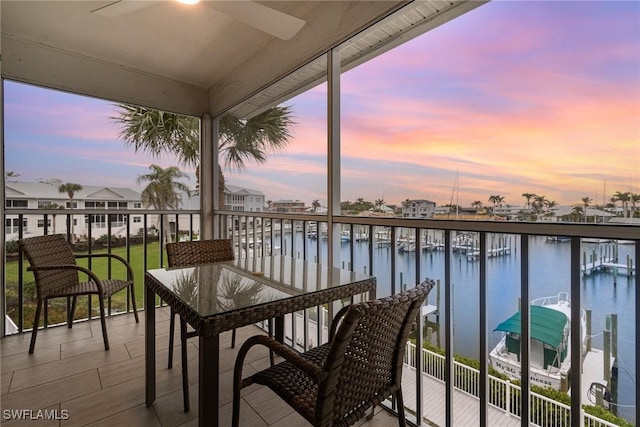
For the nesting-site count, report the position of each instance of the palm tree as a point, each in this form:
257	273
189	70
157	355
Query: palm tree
71	189
496	200
157	132
586	202
528	196
539	203
577	213
379	203
477	204
549	204
624	198
315	205
162	191
635	199
11	174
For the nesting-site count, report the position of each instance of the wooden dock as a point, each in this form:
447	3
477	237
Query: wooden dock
467	407
607	265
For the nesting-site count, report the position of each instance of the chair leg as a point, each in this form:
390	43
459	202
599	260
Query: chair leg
185	364
103	321
72	312
36	321
172	328
133	303
271	356
400	404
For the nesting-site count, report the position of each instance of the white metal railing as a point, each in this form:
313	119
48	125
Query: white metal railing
261	233
503	394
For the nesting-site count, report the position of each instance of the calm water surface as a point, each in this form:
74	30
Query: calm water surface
549	274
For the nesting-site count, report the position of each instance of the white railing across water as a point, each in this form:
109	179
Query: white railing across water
503	394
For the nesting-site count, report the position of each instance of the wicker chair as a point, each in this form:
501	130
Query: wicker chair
334	384
185	254
54	266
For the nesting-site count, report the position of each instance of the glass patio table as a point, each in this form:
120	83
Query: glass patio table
219	297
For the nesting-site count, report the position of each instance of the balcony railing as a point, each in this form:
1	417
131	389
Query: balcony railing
399	252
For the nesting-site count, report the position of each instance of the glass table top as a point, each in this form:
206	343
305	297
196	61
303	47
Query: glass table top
222	287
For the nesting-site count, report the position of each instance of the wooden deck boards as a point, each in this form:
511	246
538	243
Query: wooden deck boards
70	371
466	408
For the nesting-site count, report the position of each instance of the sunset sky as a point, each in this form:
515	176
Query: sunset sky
511	98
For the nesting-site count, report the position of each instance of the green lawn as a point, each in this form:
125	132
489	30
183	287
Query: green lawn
57	308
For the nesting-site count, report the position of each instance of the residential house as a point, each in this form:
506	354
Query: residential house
287	206
45	195
418	208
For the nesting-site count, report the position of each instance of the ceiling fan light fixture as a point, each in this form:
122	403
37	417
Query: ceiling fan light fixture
189	1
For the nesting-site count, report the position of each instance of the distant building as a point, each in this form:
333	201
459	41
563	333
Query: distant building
287	206
43	195
243	199
419	208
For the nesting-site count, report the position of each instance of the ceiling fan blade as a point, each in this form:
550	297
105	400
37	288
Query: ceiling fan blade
263	18
122	7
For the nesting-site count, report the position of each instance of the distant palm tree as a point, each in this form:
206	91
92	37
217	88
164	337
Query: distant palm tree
586	202
71	189
162	191
12	174
635	200
577	212
550	204
624	198
315	205
539	202
378	204
477	204
241	140
496	200
528	196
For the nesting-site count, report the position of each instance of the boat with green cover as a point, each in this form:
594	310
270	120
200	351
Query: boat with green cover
550	348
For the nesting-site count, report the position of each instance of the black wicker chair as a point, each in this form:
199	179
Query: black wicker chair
361	365
185	254
56	273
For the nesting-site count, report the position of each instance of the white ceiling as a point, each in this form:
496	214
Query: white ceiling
187	59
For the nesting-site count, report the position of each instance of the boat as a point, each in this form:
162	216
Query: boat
558	239
550	345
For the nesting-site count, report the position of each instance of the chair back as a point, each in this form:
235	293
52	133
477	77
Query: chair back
48	250
184	254
366	356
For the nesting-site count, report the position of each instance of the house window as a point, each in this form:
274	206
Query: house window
16	204
41	223
118	220
45	204
97	221
68	205
137	205
117	205
94	205
137	219
12	225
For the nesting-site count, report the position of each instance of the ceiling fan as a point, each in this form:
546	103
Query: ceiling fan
263	18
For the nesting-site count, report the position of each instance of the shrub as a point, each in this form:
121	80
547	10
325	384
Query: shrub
11	247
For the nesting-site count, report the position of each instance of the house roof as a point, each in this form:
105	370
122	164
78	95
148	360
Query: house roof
237	190
205	58
44	190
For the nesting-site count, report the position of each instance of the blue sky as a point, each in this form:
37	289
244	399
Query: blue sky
513	97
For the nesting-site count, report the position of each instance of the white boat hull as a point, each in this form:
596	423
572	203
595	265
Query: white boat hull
553	376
